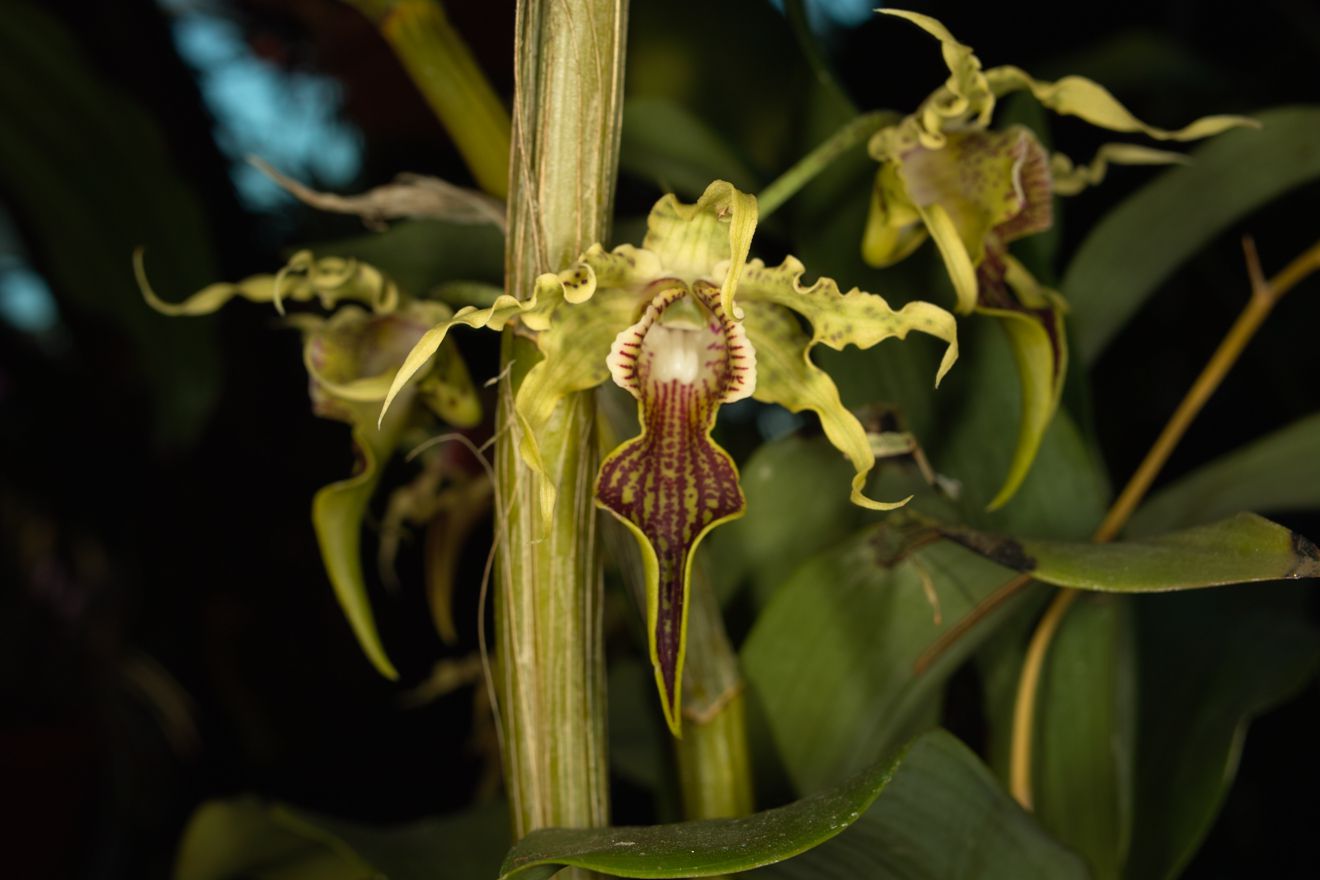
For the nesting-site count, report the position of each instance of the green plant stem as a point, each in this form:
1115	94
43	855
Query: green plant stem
550	678
714	763
449	78
1265	295
805	170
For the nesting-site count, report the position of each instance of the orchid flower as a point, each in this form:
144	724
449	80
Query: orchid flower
351	357
685	323
944	174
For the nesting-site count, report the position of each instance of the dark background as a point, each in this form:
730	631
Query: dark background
166	631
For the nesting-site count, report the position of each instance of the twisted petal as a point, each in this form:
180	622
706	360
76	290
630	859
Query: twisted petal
691	241
785	373
329	280
1070	179
671	484
577	284
1080	97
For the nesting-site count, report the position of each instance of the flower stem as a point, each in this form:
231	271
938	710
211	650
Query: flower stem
444	70
550	663
1265	295
850	135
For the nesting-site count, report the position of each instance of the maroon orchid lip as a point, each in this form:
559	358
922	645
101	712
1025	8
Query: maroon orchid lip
672	484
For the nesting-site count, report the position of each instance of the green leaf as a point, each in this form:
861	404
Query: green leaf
863	619
1278	472
1142	241
1085	732
934	813
767	544
1241	549
1210	663
668	145
942	817
246	838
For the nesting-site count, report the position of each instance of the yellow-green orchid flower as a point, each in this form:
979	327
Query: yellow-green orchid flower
351	357
944	174
686	323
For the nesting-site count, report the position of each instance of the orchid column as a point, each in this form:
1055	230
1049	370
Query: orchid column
550	675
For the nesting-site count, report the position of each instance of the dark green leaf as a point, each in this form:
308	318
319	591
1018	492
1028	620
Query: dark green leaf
664	143
1279	472
1142	241
1085	728
863	620
936	813
1210	663
1242	549
942	817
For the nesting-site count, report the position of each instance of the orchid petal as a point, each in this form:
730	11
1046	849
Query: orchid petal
304	278
337	513
1092	102
672	484
1033	320
894	227
785	373
1070	179
958	262
691	240
965	94
575	347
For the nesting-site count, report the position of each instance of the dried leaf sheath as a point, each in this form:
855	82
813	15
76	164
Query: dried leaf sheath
672	484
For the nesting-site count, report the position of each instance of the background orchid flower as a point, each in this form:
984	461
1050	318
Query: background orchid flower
944	174
351	357
686	323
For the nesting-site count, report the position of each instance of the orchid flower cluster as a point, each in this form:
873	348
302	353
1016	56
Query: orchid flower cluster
945	174
685	323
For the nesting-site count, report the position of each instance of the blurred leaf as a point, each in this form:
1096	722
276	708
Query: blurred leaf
1141	242
789	517
935	813
665	144
420	255
87	174
942	817
862	618
1279	472
246	838
1242	549
1085	732
1210	663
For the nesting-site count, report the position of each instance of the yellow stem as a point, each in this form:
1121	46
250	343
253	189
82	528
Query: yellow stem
1265	295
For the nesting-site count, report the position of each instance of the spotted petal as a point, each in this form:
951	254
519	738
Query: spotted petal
787	376
672	484
329	280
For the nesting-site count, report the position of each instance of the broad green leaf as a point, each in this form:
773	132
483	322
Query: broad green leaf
1278	472
1085	731
1242	549
935	813
943	816
1211	662
863	619
665	143
766	545
1142	241
246	838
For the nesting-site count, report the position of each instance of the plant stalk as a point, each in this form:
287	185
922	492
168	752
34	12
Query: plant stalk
550	663
822	157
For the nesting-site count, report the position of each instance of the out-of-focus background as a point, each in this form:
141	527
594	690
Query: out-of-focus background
167	633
